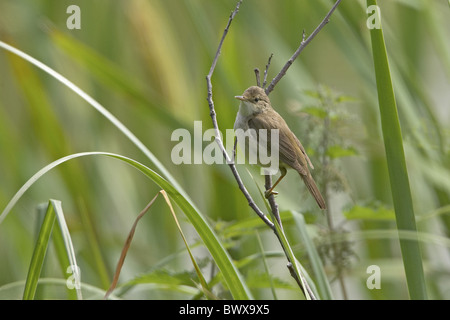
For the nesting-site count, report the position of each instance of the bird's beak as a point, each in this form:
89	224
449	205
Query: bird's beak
240	98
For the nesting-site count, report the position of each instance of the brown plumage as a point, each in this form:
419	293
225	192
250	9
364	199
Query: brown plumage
256	112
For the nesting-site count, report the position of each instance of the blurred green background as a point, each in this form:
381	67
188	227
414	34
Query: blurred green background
146	62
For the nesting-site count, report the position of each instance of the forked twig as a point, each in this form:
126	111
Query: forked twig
218	138
274	207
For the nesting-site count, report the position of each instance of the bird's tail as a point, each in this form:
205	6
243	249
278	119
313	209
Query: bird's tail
312	187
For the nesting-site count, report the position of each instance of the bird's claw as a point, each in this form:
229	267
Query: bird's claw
268	193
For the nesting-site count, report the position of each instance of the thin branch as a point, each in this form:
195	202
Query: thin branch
219	141
266	71
302	46
258	78
271	199
216	57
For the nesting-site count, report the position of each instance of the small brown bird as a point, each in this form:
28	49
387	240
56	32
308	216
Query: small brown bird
256	112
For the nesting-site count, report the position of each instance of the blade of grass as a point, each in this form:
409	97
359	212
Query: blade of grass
64	262
64	250
108	115
266	267
50	132
39	252
130	238
87	221
232	277
62	235
294	268
314	258
9	291
398	174
203	282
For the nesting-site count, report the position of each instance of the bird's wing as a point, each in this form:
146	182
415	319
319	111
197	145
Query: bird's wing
290	149
304	152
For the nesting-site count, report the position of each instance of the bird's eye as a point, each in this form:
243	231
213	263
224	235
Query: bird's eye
256	99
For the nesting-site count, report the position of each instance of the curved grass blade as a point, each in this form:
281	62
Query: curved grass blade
234	280
177	191
203	283
130	237
11	290
398	174
108	115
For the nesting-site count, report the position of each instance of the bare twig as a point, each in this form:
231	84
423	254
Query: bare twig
258	78
271	199
304	286
274	208
302	46
219	141
266	71
234	148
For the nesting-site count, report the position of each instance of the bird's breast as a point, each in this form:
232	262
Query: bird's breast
241	122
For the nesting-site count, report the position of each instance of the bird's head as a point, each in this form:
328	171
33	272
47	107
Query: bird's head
254	99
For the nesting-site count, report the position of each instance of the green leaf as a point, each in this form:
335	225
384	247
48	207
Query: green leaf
166	277
262	280
367	213
315	111
338	151
311	93
398	174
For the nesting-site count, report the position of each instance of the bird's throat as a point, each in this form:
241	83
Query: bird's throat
247	109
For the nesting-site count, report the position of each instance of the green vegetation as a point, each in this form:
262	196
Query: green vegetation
371	107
